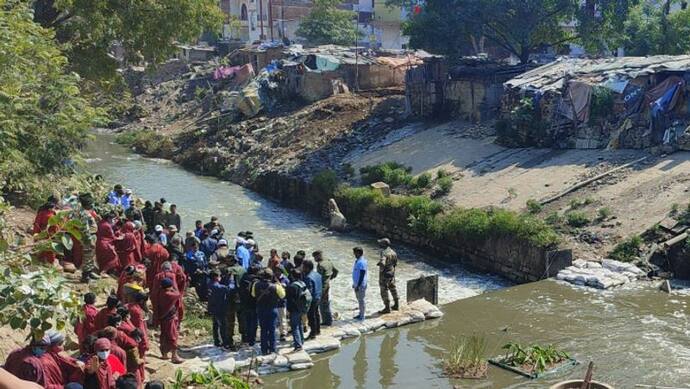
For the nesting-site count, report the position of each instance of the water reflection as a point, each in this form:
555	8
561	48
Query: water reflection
359	367
388	368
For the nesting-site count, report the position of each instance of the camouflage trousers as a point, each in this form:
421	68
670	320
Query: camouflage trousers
89	257
385	285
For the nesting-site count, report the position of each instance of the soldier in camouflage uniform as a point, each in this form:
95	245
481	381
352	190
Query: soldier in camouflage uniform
388	260
88	218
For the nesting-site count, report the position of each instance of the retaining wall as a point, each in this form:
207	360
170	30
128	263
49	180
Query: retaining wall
512	258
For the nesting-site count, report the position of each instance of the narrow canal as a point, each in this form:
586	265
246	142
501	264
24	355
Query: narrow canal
636	335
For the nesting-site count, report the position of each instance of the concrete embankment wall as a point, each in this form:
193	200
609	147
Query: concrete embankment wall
510	257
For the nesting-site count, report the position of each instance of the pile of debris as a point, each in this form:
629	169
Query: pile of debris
624	102
607	274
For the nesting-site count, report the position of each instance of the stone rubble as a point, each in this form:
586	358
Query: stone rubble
199	357
604	275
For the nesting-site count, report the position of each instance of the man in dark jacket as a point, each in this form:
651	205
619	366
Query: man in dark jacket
328	272
315	284
248	305
295	310
231	275
267	293
218	298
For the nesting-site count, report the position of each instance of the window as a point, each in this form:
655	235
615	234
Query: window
243	12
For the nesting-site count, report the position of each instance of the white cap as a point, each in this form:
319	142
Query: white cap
128	191
250	242
158	228
222	242
214	232
172	227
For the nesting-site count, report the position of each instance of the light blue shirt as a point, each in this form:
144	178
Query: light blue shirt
243	256
360	264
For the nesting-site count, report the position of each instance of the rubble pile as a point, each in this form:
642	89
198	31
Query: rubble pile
607	274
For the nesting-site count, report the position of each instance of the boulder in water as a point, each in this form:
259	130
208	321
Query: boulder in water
338	220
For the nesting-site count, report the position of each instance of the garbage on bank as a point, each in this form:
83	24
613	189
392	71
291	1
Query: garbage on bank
625	102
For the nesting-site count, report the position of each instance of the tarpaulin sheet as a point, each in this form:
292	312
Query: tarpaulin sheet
575	104
246	72
225	72
663	97
615	85
399	62
326	62
633	96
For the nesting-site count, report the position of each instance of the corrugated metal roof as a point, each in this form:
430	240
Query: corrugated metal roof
595	71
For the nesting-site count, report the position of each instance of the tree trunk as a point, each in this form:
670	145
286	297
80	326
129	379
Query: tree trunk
524	54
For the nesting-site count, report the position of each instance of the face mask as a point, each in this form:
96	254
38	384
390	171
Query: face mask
37	351
103	355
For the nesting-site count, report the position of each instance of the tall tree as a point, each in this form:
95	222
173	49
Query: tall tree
326	24
43	118
519	27
601	23
146	29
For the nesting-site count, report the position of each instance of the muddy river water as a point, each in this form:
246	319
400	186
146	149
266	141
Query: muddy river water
635	335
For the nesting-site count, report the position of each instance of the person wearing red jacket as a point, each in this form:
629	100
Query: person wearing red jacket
106	255
110	309
126	246
167	314
156	255
87	325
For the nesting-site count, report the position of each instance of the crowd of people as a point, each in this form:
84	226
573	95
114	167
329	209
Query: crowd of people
156	267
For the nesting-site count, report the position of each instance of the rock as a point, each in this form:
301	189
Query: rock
338	222
434	314
226	365
416	316
381	187
281	361
298	357
301	366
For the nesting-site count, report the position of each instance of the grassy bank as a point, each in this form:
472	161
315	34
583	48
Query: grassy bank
430	219
147	142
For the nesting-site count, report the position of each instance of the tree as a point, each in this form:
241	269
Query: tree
33	296
454	27
517	26
326	24
147	29
601	23
652	29
43	118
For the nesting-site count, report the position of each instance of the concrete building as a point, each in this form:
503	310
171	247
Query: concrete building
380	25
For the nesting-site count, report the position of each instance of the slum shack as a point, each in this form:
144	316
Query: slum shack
470	89
626	102
316	73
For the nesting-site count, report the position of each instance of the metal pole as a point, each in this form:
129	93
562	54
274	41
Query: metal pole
356	53
261	20
270	18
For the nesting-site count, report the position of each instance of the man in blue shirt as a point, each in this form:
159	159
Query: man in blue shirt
209	245
359	280
315	285
115	197
243	255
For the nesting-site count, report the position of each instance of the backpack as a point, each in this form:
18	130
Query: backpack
304	297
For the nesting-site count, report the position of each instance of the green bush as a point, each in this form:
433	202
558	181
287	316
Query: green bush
554	219
602	103
533	206
147	142
579	203
445	185
354	201
627	250
392	173
604	213
422	181
426	217
442	173
577	219
324	184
